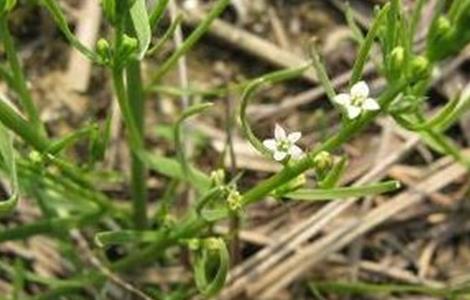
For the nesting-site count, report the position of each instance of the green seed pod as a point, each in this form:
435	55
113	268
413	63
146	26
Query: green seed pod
36	157
128	47
234	200
6	6
442	27
323	162
217	177
104	51
194	244
420	68
396	62
441	39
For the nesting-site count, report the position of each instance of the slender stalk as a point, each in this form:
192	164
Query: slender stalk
191	40
20	84
127	114
157	13
135	95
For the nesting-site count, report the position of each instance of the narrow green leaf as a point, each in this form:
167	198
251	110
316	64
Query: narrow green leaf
462	108
213	215
343	192
8	158
367	45
166	36
321	71
140	20
173	169
19	280
191	111
47	226
356	31
436	122
157	12
104	239
68	140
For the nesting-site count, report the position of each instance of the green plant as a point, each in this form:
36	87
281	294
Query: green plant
68	198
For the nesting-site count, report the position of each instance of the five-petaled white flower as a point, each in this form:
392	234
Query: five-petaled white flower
283	144
357	100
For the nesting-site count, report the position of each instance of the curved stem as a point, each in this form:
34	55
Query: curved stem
248	95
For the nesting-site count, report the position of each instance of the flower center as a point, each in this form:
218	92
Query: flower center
283	145
357	100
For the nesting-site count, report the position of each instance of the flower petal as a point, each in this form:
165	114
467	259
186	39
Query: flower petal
353	111
279	155
342	99
360	89
279	132
295	151
370	104
294	136
270	144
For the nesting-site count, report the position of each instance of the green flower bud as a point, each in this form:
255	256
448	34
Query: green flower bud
441	39
104	51
397	59
6	6
323	162
128	47
194	244
443	27
129	44
35	157
212	244
420	68
217	177
234	200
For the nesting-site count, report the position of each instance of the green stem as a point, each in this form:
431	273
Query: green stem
126	111
135	94
18	77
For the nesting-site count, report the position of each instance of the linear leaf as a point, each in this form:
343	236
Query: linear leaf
343	192
140	20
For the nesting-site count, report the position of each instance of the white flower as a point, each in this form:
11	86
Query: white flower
191	5
357	101
283	144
